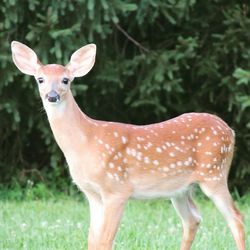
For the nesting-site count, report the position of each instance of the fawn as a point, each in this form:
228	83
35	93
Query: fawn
111	162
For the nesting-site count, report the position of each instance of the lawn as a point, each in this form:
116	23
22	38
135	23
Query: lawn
62	223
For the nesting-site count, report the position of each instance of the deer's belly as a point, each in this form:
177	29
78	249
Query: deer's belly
165	188
156	193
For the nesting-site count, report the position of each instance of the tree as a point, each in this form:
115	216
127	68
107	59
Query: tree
155	60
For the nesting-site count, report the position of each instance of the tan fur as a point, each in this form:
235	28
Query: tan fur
112	162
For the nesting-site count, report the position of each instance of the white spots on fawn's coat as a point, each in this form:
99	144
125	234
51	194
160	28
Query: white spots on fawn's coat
155	162
125	160
179	163
116	134
208	153
165	169
124	139
148	145
140	138
172	165
110	175
146	160
111	165
172	154
128	151
159	150
215	132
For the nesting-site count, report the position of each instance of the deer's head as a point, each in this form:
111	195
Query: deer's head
53	79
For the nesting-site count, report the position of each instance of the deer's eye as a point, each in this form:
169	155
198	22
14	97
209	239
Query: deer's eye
65	81
40	80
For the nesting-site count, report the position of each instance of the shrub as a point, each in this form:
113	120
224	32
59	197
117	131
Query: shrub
155	60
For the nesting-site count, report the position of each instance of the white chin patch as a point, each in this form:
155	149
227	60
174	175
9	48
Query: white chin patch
54	109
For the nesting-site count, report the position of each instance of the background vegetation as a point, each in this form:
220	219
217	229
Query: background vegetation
61	223
156	59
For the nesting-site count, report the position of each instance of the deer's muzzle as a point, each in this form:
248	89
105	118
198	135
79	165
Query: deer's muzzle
53	96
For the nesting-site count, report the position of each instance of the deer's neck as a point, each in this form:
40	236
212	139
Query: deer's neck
69	124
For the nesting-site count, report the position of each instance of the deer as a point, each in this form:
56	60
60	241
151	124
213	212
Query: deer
112	162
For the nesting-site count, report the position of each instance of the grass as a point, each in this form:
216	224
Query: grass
62	223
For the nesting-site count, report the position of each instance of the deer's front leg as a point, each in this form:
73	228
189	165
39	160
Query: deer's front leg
112	213
105	216
96	218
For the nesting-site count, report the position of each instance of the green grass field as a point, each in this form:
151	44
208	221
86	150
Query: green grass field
62	223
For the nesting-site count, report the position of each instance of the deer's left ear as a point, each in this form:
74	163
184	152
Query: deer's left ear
24	58
82	60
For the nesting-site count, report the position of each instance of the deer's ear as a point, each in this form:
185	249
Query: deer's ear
82	60
24	58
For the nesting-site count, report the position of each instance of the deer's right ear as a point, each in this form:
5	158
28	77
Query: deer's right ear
24	58
82	60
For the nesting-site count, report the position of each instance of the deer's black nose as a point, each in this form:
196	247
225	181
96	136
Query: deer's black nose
53	96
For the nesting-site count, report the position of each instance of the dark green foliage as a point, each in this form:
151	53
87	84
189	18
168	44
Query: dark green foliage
156	59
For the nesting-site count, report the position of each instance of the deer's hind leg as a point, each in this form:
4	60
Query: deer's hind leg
219	194
190	217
